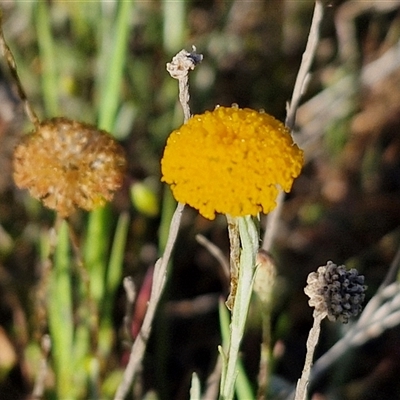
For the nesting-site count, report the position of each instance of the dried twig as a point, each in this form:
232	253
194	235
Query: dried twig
303	76
312	340
39	388
130	291
345	22
191	308
216	252
264	286
212	385
386	316
160	275
300	86
179	68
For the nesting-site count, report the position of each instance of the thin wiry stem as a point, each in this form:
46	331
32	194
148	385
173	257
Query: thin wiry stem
386	316
212	385
42	308
43	285
300	87
217	253
160	275
179	68
312	340
272	220
38	389
303	76
131	295
7	54
264	283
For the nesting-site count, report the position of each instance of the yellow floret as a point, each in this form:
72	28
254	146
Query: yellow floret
230	161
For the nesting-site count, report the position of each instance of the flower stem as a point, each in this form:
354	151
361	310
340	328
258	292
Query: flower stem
159	279
249	237
8	55
312	340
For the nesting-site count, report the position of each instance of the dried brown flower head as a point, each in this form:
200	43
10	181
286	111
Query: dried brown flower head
68	164
336	292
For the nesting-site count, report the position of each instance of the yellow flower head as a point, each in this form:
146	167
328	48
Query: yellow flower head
68	164
230	161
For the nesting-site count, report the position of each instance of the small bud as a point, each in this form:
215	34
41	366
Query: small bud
265	276
144	197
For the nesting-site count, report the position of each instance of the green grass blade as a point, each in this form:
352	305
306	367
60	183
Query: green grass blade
114	271
110	89
113	280
48	59
97	240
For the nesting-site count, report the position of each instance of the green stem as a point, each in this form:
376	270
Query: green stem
61	315
244	390
113	280
96	251
249	236
265	356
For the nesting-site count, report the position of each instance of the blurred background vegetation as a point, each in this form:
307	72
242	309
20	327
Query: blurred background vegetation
345	207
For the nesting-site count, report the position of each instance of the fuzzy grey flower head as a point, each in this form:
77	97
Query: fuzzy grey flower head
336	292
